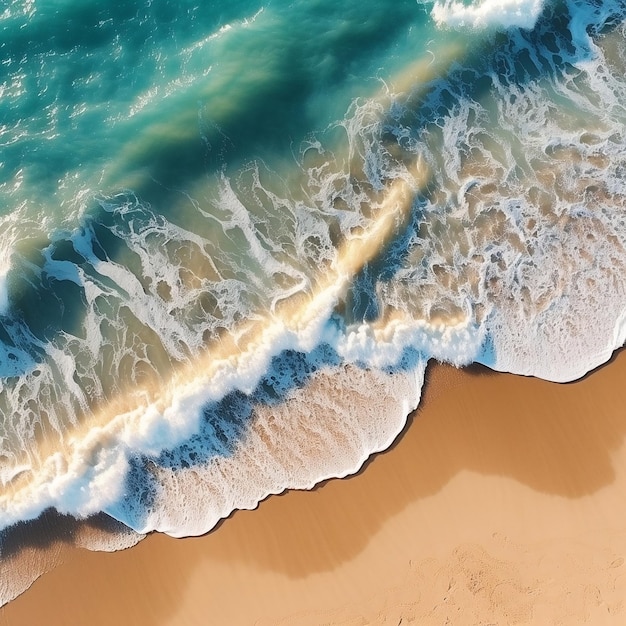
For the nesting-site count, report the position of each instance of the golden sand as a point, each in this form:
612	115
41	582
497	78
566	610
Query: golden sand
503	502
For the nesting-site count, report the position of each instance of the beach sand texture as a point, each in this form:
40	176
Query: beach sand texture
501	503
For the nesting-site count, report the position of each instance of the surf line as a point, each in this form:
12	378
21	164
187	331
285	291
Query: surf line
148	420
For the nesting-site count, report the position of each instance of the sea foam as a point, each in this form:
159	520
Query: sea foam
495	14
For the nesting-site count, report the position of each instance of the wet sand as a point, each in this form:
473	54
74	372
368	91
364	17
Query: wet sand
504	501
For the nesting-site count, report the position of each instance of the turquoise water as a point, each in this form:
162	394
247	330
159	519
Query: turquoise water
98	97
232	236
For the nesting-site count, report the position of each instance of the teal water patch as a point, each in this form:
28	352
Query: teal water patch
73	70
149	96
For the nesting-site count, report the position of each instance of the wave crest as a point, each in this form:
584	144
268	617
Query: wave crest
497	14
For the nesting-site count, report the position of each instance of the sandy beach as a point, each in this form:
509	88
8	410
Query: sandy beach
503	502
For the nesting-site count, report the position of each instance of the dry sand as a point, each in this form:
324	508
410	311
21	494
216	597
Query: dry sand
504	502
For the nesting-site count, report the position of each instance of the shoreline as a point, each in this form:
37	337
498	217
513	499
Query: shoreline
501	500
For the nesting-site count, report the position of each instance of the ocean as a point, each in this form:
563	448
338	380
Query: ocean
233	234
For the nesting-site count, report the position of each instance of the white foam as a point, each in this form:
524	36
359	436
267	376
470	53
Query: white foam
314	435
382	345
496	14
